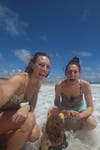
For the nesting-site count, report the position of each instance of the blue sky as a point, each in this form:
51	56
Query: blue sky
62	28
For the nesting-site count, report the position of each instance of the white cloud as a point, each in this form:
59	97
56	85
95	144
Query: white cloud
86	69
10	22
82	53
23	55
91	76
4	74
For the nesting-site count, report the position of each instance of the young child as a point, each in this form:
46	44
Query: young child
53	133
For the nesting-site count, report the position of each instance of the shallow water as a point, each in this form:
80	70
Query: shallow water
84	140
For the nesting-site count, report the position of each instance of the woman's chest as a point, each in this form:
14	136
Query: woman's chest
71	91
30	91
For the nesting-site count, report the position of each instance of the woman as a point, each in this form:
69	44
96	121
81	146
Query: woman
18	97
74	99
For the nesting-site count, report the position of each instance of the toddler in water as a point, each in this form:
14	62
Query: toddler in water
53	133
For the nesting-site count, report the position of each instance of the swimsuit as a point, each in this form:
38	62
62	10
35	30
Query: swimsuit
77	103
14	102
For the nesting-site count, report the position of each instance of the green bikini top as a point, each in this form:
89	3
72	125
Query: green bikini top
14	102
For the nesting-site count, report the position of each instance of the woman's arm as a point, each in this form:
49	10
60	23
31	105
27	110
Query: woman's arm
34	98
10	86
57	93
88	99
33	102
55	109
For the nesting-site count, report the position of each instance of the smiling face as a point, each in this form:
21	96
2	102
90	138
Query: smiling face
72	72
41	67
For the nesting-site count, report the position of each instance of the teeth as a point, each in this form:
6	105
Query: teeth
42	75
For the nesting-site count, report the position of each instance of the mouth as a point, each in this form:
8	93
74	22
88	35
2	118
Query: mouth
42	75
72	80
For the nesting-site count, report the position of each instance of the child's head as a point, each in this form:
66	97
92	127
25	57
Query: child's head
55	129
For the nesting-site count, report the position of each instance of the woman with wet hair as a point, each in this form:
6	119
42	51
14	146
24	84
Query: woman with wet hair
18	98
73	98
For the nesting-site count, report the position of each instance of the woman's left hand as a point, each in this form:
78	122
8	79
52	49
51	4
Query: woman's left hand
72	113
20	115
53	110
76	115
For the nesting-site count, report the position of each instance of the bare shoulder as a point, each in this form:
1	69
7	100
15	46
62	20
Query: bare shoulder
18	76
85	84
15	83
59	83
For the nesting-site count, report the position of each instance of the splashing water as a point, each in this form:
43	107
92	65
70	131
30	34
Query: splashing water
84	140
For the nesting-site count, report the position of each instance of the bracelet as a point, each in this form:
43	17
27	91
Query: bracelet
26	103
23	104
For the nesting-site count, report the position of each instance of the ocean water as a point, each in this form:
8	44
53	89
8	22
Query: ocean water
84	140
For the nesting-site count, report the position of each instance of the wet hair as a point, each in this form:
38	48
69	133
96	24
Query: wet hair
76	61
33	60
55	129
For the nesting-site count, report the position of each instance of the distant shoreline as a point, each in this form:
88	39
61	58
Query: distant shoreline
48	81
94	82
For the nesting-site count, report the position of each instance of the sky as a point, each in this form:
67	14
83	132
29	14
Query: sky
61	28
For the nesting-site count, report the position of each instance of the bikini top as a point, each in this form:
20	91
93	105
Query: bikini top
73	101
14	102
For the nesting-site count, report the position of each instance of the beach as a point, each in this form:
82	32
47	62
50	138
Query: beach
79	140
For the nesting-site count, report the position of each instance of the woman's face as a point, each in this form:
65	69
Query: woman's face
72	72
41	67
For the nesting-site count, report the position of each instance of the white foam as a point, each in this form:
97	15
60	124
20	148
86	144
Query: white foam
81	139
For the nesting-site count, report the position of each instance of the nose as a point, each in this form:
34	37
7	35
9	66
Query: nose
45	69
72	73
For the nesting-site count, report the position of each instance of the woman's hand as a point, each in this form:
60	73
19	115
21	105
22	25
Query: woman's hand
20	115
53	110
72	113
76	115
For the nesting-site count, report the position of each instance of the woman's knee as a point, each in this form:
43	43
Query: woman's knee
29	123
35	134
90	123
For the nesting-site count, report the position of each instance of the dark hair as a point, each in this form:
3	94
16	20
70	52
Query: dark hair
33	60
55	129
75	60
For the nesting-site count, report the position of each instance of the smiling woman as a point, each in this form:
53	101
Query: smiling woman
18	99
